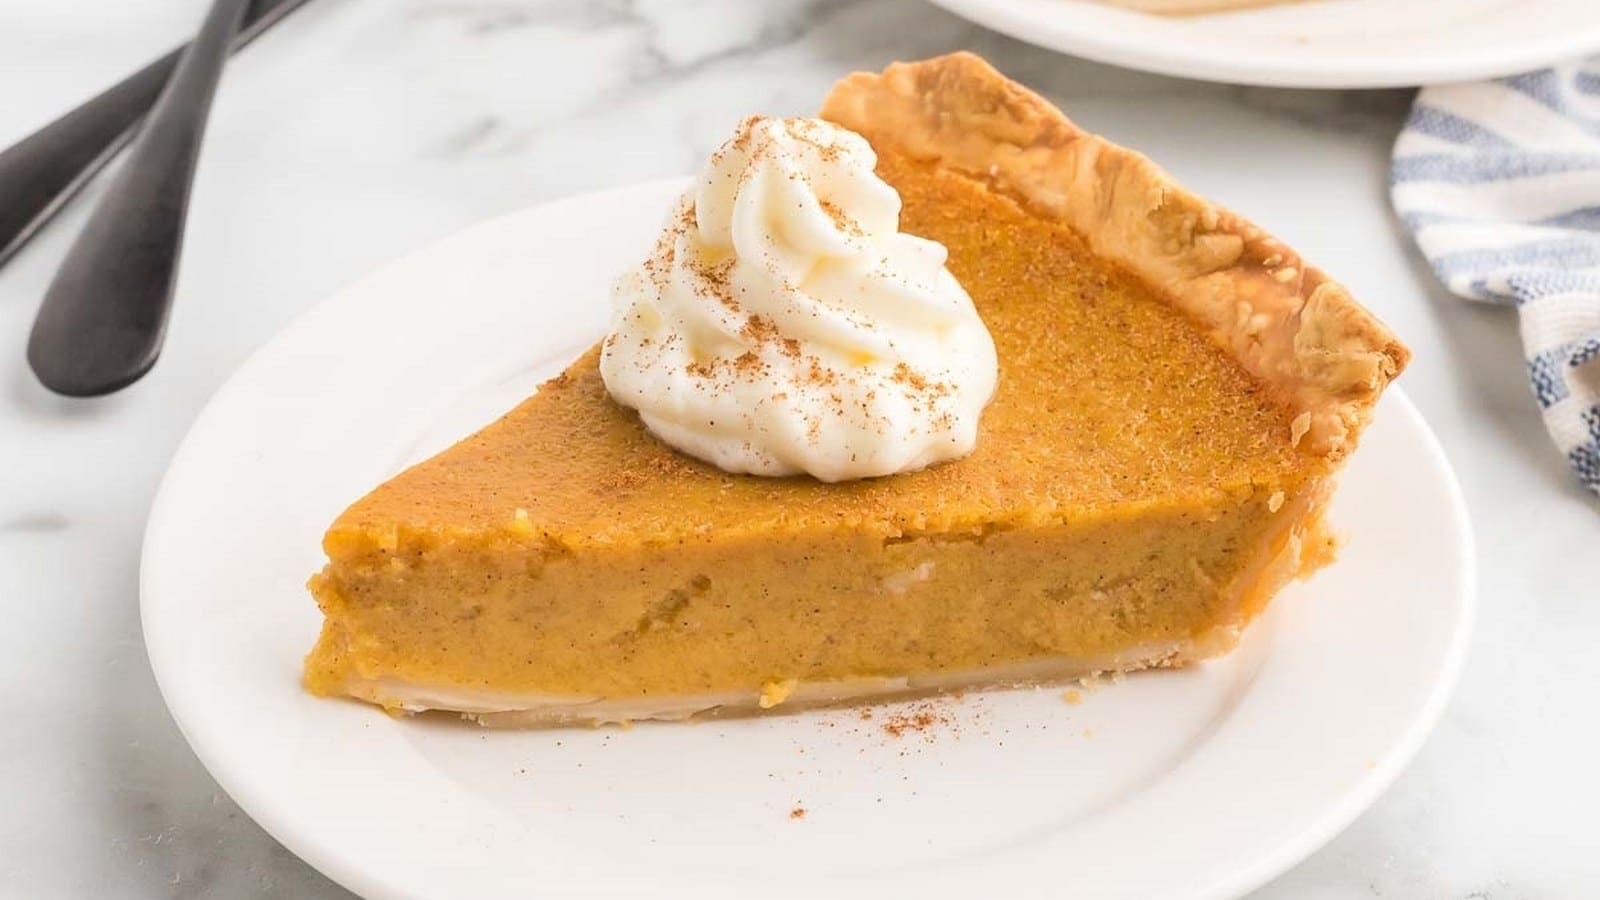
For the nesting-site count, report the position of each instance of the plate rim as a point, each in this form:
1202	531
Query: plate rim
1341	815
1317	831
1350	73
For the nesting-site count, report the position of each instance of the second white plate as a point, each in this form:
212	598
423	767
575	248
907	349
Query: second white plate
1321	44
1195	784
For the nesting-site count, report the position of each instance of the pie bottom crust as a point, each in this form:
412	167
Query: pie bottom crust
524	710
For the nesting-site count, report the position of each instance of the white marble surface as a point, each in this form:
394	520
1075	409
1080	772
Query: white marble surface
363	128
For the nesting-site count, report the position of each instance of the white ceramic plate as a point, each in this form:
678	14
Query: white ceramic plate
1321	44
1195	784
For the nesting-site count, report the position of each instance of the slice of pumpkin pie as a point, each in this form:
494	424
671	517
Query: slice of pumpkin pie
936	391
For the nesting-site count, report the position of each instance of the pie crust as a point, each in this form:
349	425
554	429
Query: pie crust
520	710
1287	323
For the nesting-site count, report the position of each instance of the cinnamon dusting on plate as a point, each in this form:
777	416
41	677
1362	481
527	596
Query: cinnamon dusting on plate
921	718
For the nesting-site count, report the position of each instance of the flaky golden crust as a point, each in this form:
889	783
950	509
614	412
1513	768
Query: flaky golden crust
1291	326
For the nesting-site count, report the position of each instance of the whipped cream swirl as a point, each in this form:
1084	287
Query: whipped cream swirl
784	324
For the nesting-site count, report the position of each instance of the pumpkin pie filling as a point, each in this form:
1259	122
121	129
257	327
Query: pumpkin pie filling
1146	476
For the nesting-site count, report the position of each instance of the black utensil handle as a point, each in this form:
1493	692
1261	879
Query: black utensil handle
103	319
40	173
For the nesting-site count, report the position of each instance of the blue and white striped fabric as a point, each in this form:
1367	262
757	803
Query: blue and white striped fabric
1500	184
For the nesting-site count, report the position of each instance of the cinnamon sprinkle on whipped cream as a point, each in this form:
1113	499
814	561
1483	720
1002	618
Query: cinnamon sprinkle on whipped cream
784	325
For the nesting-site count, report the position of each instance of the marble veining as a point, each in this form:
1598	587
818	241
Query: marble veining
364	128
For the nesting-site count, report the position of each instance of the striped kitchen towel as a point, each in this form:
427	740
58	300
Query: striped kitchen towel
1499	182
